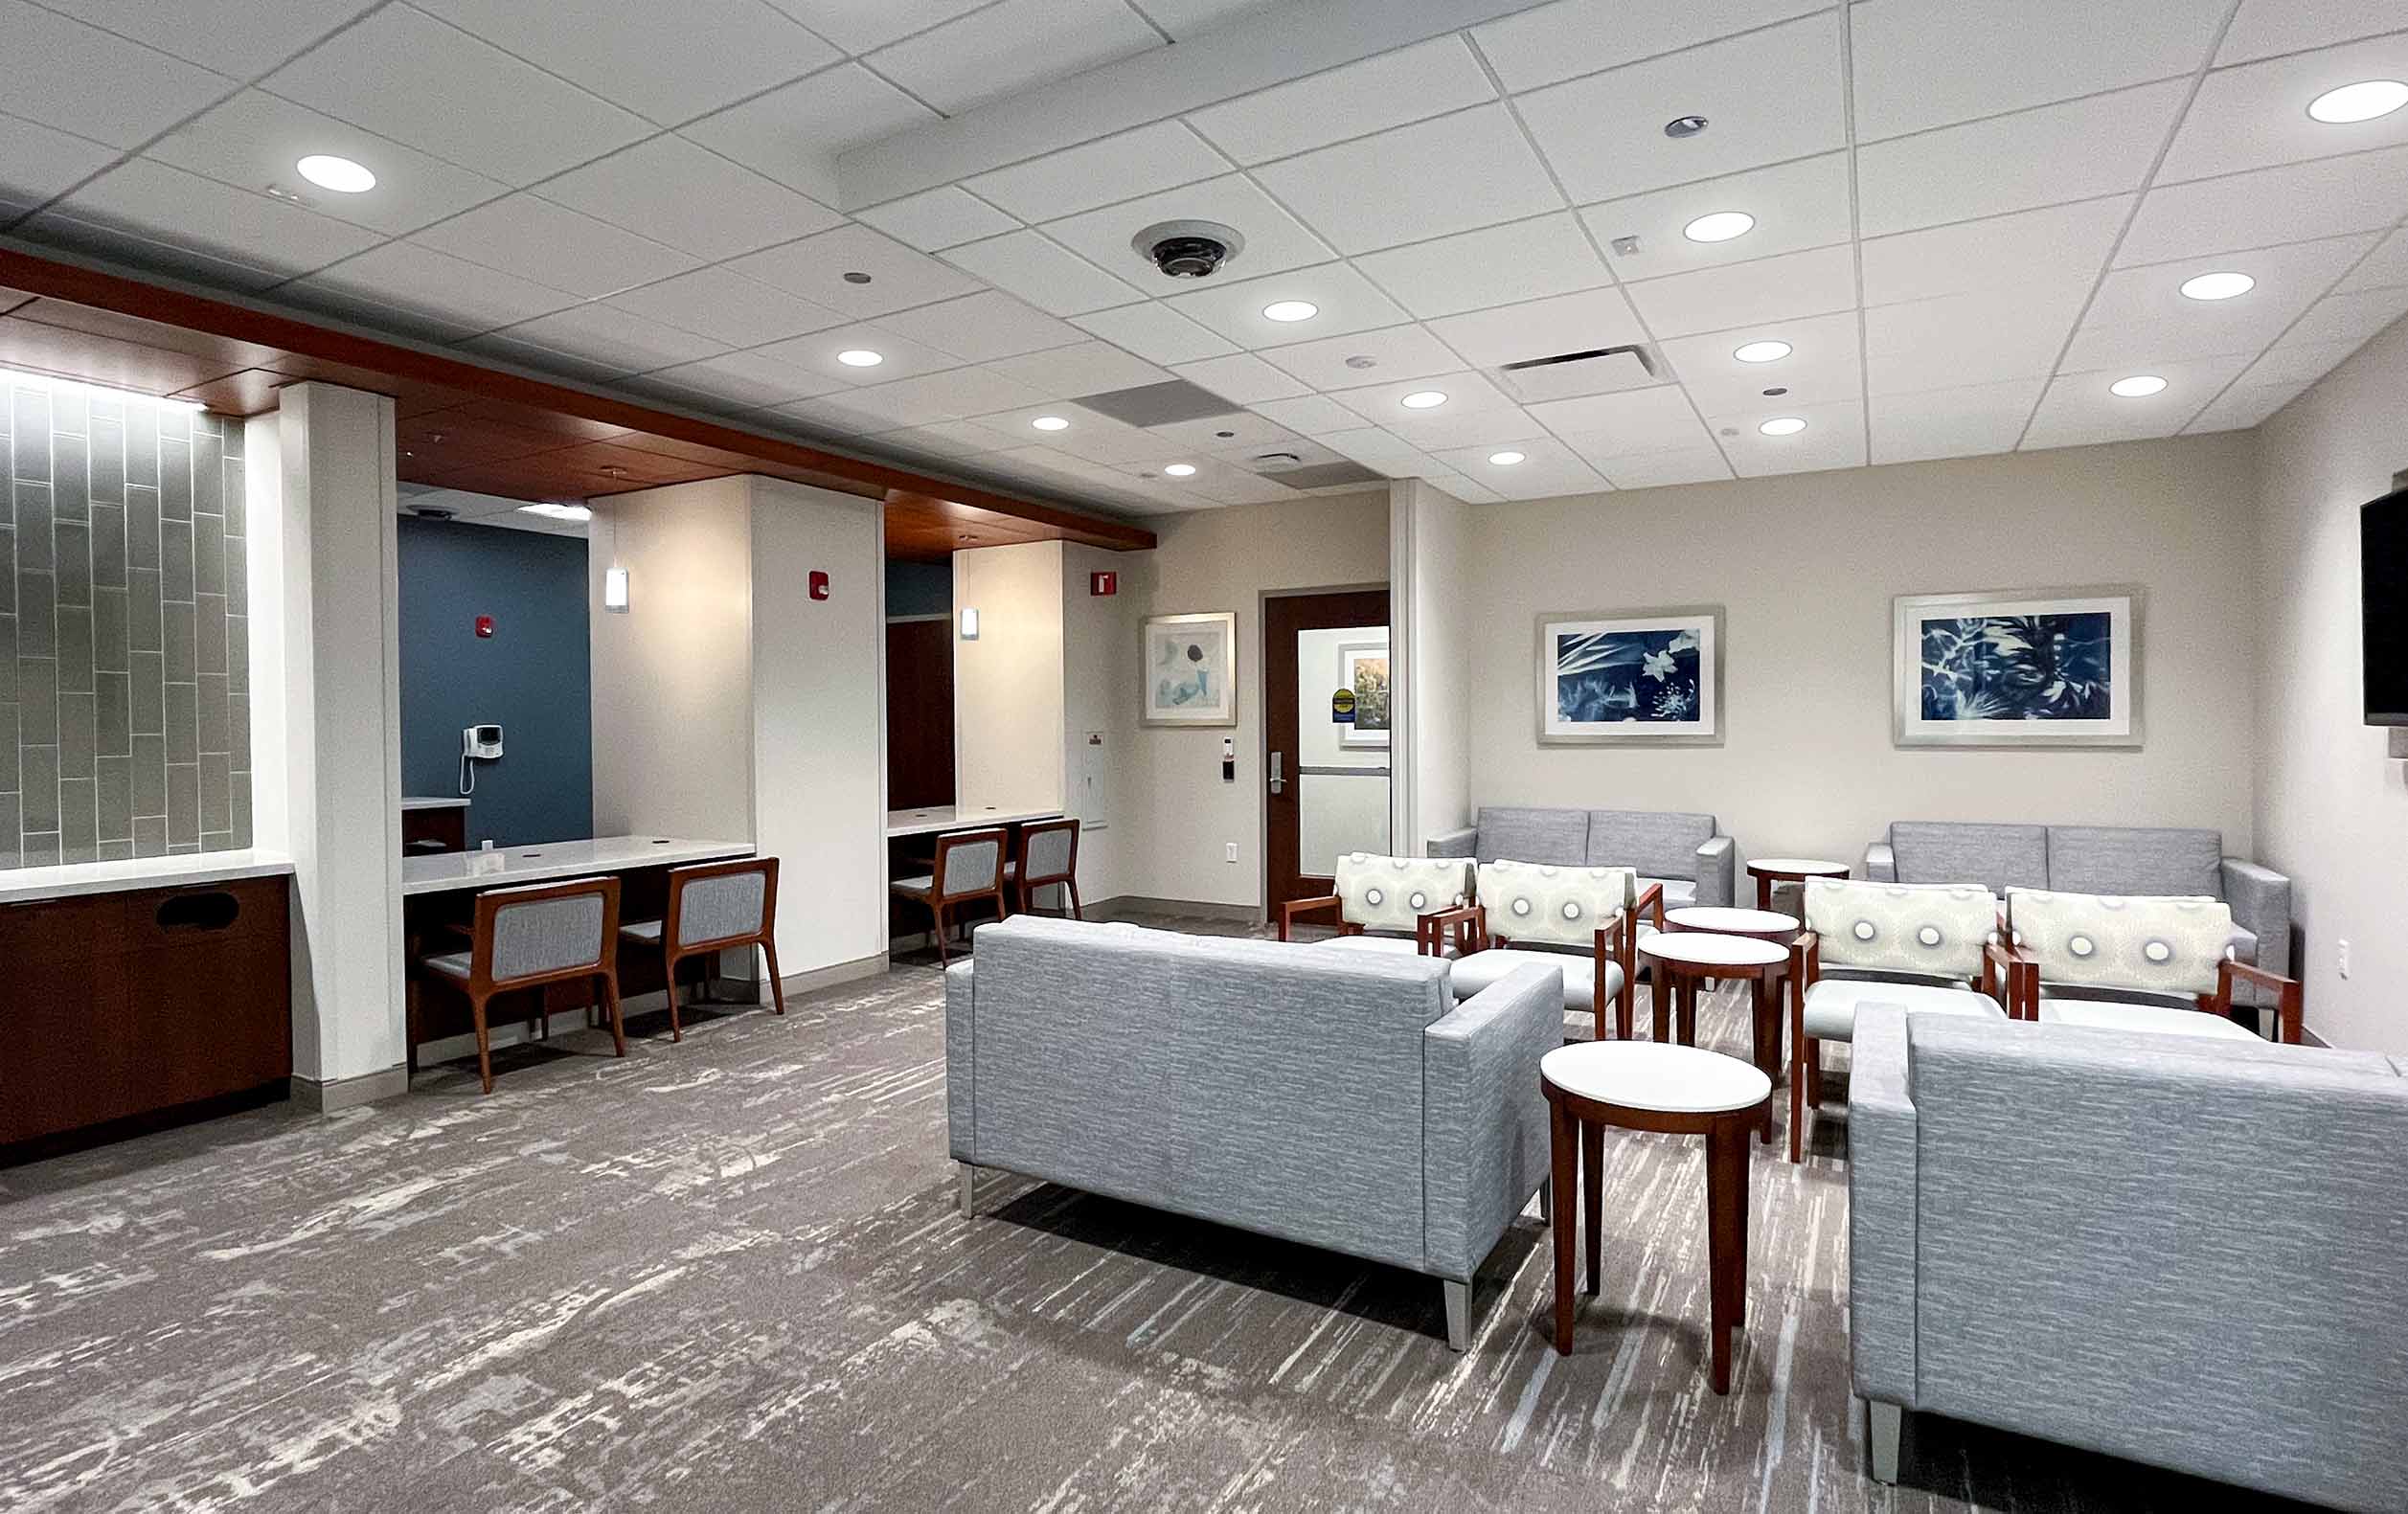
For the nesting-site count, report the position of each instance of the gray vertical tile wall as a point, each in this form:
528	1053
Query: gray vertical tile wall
124	693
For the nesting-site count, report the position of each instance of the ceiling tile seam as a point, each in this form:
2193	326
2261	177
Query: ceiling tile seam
1637	62
2276	168
1855	220
2320	47
1187	119
1987	117
2220	251
1160	30
2305	311
2149	179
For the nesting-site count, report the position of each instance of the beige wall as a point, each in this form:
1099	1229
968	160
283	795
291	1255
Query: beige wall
1807	566
2331	809
1100	678
1008	684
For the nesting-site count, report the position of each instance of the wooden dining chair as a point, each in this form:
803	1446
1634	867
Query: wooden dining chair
546	932
1049	857
712	907
969	866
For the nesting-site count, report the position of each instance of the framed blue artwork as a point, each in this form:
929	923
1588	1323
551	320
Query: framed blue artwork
1192	669
1641	678
2041	667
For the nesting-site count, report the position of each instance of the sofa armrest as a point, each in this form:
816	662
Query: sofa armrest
1463	843
1881	864
1483	1139
2261	900
1881	1217
961	1104
1716	865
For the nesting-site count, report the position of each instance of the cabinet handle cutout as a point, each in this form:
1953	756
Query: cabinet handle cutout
215	910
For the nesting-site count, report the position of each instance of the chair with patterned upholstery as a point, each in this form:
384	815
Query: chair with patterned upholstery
714	906
969	866
526	938
1395	904
2141	964
1049	858
1933	948
1582	922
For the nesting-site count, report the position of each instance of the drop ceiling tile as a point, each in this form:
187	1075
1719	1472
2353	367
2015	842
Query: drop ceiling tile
1347	302
1153	331
982	328
1397	354
2350	318
2012	331
435	286
1043	272
2289	203
1501	264
1452	174
727	307
1234	432
1375	448
1965	421
1834	438
832	415
2074	152
2386	267
1568	323
1769	96
795	133
1094	173
750	379
255	139
1970	257
1552	42
1659	469
1446	481
1748	293
1309	415
551	244
667	64
1492	426
1381	403
614	338
2295	365
1391	90
1274	240
1796	205
233	39
1631	421
2140	315
926	443
2254	116
960	437
1234	485
1240	376
1826	362
1186	18
2243	406
2077	410
1013	46
1092	437
404	75
686	197
816	354
1919	64
815	268
2263	28
549	362
179	209
37	163
1083	367
949	395
858	26
1548	470
938	218
90	82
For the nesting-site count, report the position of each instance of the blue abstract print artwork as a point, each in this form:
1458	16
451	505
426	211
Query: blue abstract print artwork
1610	677
2019	666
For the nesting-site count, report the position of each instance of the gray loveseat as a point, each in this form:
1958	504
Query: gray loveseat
1687	853
2188	1253
1338	1099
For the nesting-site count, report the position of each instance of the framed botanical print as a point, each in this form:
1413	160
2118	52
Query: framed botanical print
2043	667
1363	667
1192	669
1637	678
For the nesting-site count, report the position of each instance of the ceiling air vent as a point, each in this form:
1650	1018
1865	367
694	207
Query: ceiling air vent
1568	376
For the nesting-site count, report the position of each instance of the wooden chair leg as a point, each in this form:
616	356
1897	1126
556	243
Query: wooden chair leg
1798	1052
618	1022
777	985
669	971
945	956
485	1044
1078	911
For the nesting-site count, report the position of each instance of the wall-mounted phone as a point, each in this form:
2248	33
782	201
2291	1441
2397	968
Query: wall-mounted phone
477	744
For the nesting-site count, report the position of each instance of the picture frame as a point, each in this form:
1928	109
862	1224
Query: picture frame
1191	670
1629	677
2031	668
1364	666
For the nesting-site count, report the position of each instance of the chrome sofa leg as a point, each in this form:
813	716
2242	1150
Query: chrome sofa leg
1458	1315
969	1190
1887	1422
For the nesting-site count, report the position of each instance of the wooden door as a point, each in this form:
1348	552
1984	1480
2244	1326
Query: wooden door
1305	786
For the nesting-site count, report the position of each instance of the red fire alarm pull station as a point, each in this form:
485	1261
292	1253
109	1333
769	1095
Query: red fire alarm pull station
1102	584
485	625
819	584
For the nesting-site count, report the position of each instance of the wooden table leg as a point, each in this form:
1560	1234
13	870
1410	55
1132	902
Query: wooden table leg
1564	1161
1763	892
1689	1010
1593	1198
1768	1042
1726	1192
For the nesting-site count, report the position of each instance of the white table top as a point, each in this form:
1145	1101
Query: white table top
901	823
1705	949
506	866
1735	921
434	802
183	871
1655	1074
1798	867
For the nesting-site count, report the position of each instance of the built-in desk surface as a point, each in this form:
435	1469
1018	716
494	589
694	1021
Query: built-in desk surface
506	866
183	871
901	823
417	801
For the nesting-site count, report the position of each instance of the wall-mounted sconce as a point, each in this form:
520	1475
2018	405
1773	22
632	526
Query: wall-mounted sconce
615	590
969	623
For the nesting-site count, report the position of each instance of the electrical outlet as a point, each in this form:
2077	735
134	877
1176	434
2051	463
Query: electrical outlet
2343	955
1229	854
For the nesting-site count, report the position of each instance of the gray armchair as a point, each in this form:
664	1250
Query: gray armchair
1687	853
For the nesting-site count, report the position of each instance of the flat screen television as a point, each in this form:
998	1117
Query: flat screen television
2383	604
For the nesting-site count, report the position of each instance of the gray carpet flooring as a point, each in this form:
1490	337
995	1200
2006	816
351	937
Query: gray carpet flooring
728	1276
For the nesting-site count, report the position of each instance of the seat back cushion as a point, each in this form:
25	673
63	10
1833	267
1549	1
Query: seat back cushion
1391	894
1534	901
2136	860
972	868
1658	844
1935	930
1558	836
2161	947
1997	857
547	936
1049	849
720	906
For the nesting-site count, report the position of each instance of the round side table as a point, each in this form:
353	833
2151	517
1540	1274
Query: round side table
1672	1089
1683	958
1763	925
1769	870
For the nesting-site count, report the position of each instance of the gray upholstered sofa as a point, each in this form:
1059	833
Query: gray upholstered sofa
1341	1099
1687	853
2189	1252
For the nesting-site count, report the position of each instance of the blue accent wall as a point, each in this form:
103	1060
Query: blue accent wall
533	676
919	588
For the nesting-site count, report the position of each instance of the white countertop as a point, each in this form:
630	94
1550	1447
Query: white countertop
504	867
901	823
434	802
184	870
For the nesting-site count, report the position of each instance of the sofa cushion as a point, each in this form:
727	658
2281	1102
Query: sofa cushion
1660	843
1936	930
1538	902
1679	894
1480	969
1392	894
2133	860
1832	1002
1997	857
2159	946
1558	836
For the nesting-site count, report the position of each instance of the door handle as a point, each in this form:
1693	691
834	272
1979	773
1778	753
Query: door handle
1278	786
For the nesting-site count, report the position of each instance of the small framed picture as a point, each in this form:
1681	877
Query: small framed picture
1364	666
1192	669
2043	667
1631	678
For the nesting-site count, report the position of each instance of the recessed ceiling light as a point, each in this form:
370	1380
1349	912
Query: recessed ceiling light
1181	470
340	174
2218	285
1782	426
1762	351
1290	310
1719	227
2360	102
1505	459
558	512
2140	386
1424	400
1050	423
861	357
1680	127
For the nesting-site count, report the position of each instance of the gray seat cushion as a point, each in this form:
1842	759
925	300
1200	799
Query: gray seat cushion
1481	970
2124	1014
1678	893
918	888
1997	857
647	932
2136	860
451	964
1832	1002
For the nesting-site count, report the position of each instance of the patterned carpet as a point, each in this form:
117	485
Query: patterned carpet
728	1276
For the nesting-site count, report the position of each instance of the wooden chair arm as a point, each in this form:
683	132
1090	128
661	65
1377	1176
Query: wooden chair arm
1469	922
2288	1008
1294	907
1806	958
2020	976
1651	896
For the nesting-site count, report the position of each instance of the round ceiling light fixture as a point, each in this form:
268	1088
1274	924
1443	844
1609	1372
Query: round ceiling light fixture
2363	101
340	174
2140	386
1290	310
1181	470
1683	126
1505	459
1050	423
1782	426
1762	351
1424	400
1719	227
861	357
2218	286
